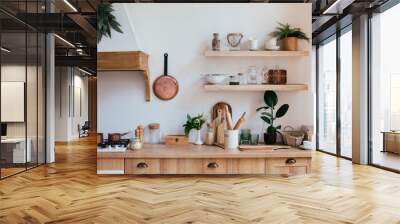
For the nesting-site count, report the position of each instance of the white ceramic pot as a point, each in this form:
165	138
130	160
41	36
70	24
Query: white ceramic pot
231	139
198	138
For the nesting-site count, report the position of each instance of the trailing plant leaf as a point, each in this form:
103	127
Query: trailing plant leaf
106	21
270	98
282	110
267	114
266	119
262	108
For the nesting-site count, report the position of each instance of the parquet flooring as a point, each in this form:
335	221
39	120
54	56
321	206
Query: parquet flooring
69	191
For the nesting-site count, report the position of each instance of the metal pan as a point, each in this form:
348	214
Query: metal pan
165	87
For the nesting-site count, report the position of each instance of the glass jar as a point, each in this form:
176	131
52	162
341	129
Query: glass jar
252	75
155	133
266	76
136	143
242	79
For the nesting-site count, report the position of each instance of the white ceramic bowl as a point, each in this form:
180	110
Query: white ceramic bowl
216	78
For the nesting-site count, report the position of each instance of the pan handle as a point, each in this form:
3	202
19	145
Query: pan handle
165	64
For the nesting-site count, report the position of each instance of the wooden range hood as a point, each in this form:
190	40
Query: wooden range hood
126	61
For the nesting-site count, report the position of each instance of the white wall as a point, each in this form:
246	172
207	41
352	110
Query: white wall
185	31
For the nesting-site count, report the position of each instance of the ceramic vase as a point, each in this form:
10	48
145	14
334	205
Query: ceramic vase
198	140
289	44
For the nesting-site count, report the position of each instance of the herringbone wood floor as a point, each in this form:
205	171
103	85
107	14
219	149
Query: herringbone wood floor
69	191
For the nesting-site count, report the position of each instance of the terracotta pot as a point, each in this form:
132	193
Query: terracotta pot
289	44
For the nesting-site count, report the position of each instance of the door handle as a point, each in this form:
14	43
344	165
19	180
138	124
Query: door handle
212	165
142	165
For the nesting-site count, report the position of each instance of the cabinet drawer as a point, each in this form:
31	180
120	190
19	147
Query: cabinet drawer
248	166
190	166
288	166
110	166
215	166
142	166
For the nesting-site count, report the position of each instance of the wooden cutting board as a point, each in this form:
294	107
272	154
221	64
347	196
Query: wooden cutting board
263	147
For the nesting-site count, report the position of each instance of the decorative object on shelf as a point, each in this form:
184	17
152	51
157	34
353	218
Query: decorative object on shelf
252	75
269	116
267	77
271	44
106	21
135	143
216	78
292	137
216	42
155	133
234	80
139	133
176	140
245	137
210	138
165	87
253	44
231	139
255	87
196	123
234	40
289	36
277	76
242	78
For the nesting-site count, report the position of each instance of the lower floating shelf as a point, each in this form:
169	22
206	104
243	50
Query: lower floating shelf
261	87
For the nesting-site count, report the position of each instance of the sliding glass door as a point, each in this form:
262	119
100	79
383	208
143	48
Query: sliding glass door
327	96
334	94
385	90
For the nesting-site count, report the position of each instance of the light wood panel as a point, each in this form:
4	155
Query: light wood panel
126	61
248	166
256	53
70	191
252	88
142	166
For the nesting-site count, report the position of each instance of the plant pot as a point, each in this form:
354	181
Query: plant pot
289	44
270	138
198	138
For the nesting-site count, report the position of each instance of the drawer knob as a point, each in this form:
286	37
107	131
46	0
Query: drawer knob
212	165
291	161
142	165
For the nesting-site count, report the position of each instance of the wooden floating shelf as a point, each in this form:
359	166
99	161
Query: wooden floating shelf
249	88
256	53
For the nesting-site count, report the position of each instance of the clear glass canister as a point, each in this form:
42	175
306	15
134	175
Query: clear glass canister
155	133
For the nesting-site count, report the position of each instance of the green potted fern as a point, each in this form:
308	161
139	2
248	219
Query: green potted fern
106	21
269	116
289	36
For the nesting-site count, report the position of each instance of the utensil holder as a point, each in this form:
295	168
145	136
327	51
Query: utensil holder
231	139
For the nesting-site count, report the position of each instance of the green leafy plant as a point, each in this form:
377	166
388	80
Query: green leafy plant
268	114
194	123
285	30
106	21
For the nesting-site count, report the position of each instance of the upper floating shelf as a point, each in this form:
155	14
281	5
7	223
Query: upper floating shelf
264	87
256	53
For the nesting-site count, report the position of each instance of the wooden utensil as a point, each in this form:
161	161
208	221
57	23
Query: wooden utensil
220	106
165	87
228	118
239	122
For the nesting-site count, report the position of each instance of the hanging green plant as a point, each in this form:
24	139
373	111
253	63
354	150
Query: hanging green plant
106	21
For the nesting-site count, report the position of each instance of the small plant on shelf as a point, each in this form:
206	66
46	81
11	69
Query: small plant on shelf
289	36
196	123
269	116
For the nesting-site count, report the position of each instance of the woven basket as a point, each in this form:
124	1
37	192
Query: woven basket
291	137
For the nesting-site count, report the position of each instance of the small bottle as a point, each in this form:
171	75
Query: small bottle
216	42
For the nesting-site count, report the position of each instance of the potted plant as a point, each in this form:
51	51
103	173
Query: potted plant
289	36
196	123
106	21
269	116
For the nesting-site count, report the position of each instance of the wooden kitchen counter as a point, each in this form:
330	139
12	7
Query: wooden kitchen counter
193	159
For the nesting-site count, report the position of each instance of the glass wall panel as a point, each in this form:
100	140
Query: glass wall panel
346	94
385	89
327	97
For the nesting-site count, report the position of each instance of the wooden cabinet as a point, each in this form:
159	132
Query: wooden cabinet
161	159
288	166
142	166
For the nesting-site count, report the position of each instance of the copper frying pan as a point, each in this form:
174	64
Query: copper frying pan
165	87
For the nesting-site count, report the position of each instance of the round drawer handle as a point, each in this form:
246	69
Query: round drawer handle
212	165
291	161
142	165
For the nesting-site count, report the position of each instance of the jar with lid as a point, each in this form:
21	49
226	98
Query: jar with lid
252	75
155	133
242	79
136	143
266	75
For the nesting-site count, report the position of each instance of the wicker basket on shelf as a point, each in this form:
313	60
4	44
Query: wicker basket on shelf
291	137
